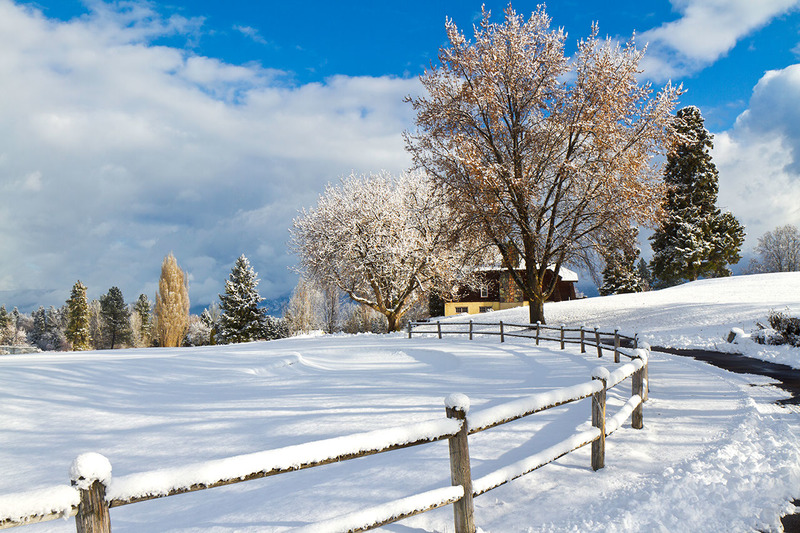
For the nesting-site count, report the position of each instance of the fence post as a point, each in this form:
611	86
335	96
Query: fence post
439	328
457	406
90	472
597	342
583	340
562	336
599	419
635	341
616	346
502	335
637	386
537	332
470	330
409	329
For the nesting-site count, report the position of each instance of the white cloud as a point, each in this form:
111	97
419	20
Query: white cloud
250	33
759	158
705	31
129	151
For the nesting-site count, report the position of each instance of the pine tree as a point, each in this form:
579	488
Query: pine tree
144	321
116	319
620	274
172	304
77	332
241	319
695	239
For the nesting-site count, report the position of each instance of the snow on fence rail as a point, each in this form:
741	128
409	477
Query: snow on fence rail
94	491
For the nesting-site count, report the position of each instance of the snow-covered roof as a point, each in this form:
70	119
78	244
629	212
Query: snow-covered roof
565	273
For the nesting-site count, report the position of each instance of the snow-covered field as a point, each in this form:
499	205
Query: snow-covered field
715	453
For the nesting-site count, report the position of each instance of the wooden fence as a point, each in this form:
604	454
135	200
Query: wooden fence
92	495
611	341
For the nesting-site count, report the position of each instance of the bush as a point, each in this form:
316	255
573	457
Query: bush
787	326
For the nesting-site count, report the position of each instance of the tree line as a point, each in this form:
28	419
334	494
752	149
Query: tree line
109	323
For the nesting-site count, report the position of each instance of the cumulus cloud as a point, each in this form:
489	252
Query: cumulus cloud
759	158
705	31
115	151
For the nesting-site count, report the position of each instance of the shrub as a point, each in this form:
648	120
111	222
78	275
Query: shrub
787	326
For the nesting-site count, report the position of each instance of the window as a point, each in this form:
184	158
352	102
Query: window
484	292
486	308
462	309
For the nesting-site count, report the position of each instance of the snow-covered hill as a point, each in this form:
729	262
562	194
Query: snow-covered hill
715	453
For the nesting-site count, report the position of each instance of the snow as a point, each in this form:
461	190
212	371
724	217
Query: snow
88	468
458	402
715	452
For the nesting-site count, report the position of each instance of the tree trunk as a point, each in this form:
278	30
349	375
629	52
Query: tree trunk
393	323
536	310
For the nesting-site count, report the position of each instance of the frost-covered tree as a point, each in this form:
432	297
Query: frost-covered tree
542	153
302	313
240	318
78	318
210	318
384	241
620	275
695	239
274	328
142	322
198	333
172	304
778	251
47	332
116	319
644	274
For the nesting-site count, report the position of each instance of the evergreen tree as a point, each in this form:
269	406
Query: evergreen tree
620	275
241	319
144	321
5	319
78	316
695	239
116	319
644	274
172	304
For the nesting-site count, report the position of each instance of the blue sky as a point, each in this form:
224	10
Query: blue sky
132	129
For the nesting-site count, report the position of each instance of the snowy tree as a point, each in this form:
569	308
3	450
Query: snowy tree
644	274
302	314
274	328
172	304
541	153
778	251
383	241
240	318
695	239
210	317
142	322
198	333
116	319
78	317
47	332
620	275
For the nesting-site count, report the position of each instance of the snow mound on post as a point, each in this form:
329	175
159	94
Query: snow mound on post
88	468
601	373
457	401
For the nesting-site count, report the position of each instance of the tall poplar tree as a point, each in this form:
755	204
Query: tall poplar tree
695	239
172	304
241	319
78	317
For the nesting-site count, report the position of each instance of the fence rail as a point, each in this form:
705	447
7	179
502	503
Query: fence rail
94	491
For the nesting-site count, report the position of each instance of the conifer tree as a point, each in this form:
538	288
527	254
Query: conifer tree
144	320
695	239
116	319
241	319
620	274
172	304
78	316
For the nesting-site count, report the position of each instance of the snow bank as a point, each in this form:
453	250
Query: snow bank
386	512
164	481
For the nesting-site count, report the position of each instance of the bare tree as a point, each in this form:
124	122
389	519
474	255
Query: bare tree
778	251
543	154
383	241
172	304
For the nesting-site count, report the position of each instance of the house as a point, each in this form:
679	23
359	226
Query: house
500	292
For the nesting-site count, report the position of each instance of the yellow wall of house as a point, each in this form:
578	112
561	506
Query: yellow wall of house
474	308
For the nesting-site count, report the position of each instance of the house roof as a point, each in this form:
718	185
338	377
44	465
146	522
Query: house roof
565	273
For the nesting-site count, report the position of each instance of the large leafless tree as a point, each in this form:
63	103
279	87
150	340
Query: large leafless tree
384	241
778	251
544	154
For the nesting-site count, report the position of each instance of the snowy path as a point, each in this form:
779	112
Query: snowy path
708	433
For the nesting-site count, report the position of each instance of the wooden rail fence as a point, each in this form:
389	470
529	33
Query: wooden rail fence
91	495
